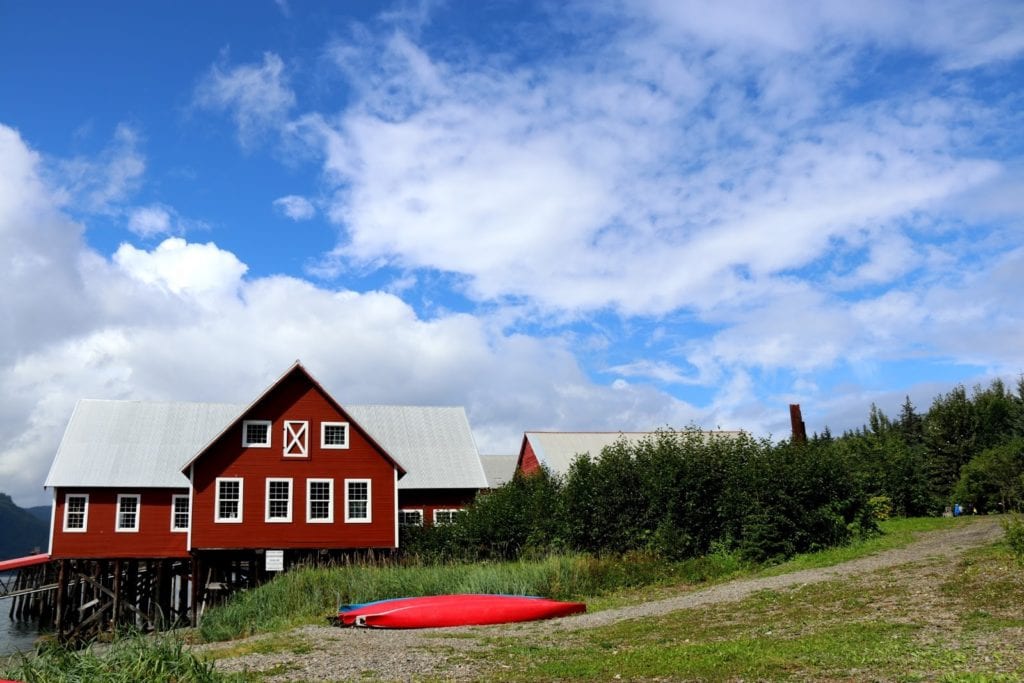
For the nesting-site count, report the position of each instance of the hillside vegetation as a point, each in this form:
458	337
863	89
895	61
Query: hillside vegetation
21	532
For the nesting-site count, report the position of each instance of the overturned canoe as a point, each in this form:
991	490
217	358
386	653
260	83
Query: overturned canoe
439	611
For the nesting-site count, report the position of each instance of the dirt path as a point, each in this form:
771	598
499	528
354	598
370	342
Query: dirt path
329	653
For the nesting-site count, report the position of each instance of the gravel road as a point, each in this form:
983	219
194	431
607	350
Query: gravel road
325	653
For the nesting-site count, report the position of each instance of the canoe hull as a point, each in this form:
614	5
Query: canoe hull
441	611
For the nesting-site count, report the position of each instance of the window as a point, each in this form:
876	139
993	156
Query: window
410	517
334	434
279	500
76	512
446	516
357	500
320	500
296	438
256	433
228	506
179	513
127	512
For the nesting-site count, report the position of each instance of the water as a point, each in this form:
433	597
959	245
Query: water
15	636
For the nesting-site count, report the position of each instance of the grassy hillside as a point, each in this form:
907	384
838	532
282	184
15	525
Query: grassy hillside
21	532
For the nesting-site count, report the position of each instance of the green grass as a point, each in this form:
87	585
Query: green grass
128	659
903	624
310	595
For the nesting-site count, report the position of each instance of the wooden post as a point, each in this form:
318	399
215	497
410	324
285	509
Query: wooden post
196	573
115	617
62	596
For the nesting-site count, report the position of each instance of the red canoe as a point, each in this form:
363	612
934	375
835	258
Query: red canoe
438	611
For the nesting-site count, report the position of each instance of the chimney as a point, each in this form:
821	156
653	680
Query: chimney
797	422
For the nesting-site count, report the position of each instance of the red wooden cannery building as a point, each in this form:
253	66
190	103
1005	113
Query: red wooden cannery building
294	473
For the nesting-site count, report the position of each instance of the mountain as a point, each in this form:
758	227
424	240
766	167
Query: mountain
40	512
21	532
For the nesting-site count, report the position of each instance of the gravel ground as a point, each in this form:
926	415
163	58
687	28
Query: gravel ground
325	653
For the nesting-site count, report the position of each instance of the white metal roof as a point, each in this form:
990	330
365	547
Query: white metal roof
498	468
134	443
557	450
143	444
433	443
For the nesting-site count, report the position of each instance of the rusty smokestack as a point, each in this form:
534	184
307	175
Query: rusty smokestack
797	422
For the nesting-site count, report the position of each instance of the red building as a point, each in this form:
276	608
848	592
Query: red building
293	470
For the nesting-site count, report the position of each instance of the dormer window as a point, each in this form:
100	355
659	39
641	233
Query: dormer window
256	433
334	434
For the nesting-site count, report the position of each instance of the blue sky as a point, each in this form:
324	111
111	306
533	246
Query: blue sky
617	215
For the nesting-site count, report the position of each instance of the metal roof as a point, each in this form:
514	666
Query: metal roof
434	444
498	468
557	450
142	444
135	443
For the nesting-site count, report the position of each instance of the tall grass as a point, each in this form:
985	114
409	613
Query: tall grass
311	594
128	659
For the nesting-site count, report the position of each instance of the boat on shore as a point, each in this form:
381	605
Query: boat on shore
441	611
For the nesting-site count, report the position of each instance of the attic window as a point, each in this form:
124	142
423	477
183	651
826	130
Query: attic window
256	433
334	434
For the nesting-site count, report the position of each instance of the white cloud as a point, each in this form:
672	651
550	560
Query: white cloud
147	221
295	207
102	184
256	95
181	321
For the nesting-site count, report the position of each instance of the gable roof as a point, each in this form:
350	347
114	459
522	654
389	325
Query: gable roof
558	450
134	443
296	368
499	469
142	444
434	442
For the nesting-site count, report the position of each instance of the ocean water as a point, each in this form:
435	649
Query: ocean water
15	636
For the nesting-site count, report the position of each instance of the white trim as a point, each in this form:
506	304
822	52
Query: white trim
257	444
369	502
138	513
53	519
85	513
323	435
419	511
330	502
266	500
298	437
452	511
174	512
216	501
191	505
394	487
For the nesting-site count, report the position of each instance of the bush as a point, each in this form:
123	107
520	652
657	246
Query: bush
1014	527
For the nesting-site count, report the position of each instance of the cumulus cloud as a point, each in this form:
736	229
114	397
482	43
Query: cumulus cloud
295	207
182	321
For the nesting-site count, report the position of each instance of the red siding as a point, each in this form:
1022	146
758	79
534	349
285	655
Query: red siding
100	540
429	500
528	463
295	397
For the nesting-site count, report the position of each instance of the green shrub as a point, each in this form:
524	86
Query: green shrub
1014	527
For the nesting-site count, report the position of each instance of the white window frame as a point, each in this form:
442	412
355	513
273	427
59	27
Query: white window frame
418	511
216	502
85	513
323	435
369	502
121	497
296	434
329	519
174	512
257	444
291	498
451	514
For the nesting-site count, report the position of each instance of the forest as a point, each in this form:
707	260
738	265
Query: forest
684	494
